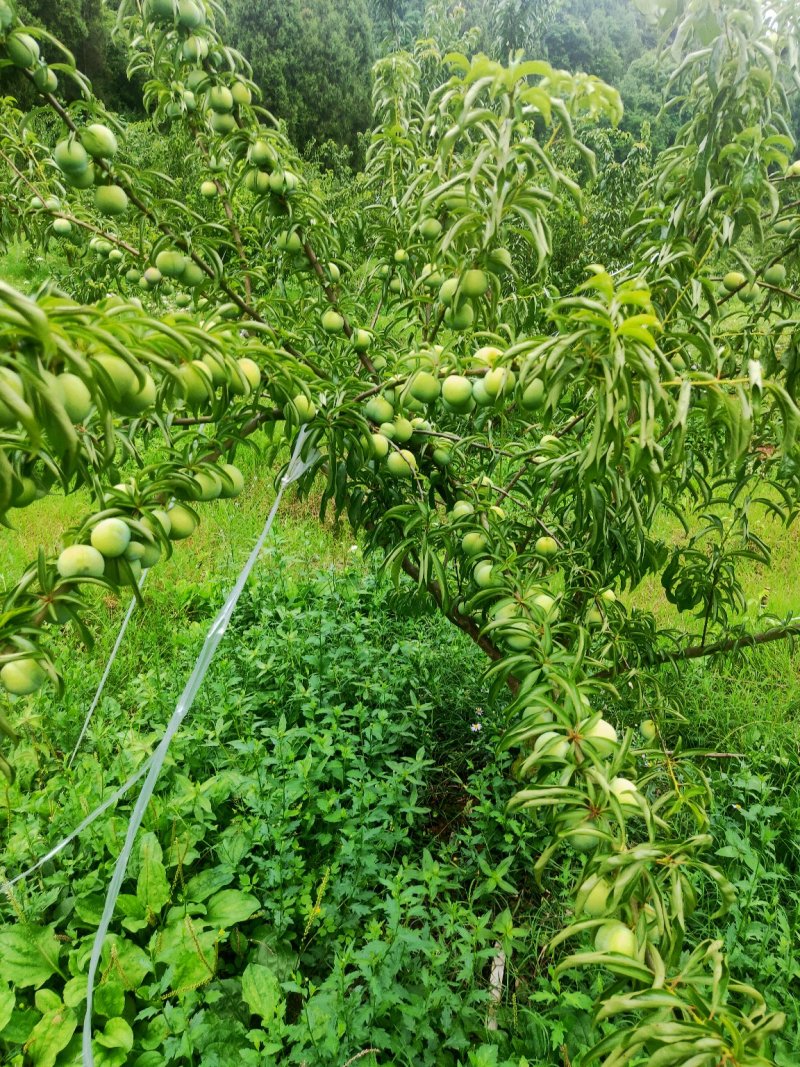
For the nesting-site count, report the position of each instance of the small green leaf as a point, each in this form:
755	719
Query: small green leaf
47	1000
208	882
152	887
231	906
126	961
116	1034
261	992
7	1002
109	999
51	1034
29	954
75	991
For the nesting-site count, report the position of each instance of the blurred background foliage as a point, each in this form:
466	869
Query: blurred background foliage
312	58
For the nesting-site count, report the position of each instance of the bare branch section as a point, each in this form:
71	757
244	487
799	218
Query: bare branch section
718	648
463	622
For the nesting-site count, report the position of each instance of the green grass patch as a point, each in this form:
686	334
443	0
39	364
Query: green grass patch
26	267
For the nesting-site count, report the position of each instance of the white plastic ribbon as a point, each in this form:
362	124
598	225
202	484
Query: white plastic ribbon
296	468
106	673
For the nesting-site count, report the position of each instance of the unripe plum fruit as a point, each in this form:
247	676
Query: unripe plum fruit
22	676
111	537
616	937
80	561
182	522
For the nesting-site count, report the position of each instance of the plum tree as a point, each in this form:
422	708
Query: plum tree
528	418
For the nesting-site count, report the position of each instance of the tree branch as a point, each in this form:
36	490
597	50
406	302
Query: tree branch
271	415
330	293
180	242
110	237
463	622
730	644
235	231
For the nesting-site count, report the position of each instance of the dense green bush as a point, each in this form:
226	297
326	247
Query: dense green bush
327	847
336	813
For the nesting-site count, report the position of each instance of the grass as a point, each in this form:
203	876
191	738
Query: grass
752	696
775	588
181	591
24	267
218	547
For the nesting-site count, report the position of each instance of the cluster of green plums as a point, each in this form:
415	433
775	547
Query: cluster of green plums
61	227
218	99
173	265
747	288
590	742
188	15
593	742
266	177
458	295
22	49
119	545
454	293
198	91
69	390
83	159
487	383
263	174
167	269
126	389
221	101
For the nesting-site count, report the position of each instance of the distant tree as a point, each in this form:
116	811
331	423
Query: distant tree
612	40
84	26
312	60
642	88
601	37
499	26
608	38
514	24
397	20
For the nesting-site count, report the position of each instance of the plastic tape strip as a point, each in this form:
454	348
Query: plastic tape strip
296	468
106	673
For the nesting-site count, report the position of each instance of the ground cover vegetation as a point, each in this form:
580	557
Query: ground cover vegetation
507	350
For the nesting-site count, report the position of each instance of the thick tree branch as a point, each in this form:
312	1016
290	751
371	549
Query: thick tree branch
463	622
